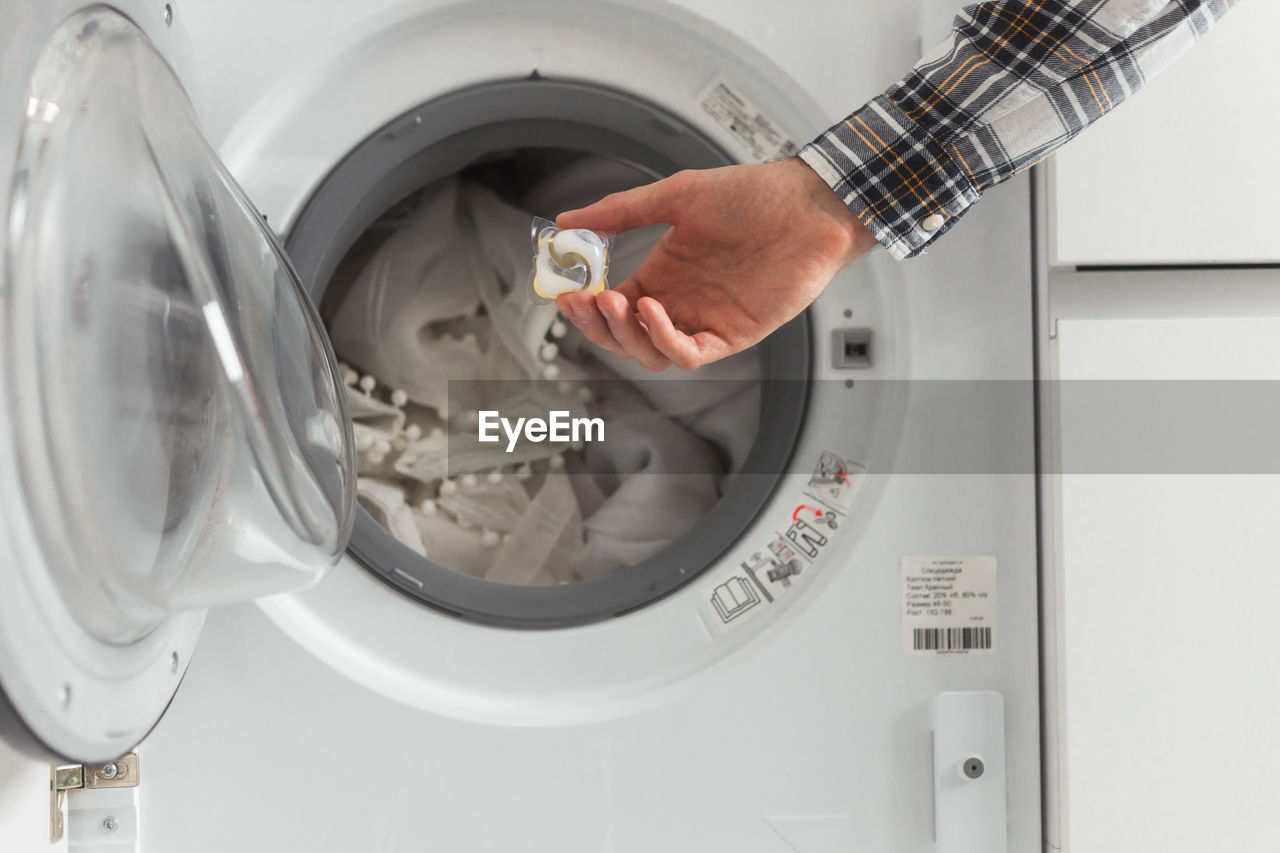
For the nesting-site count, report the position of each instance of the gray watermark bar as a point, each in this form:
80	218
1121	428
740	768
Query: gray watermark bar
896	427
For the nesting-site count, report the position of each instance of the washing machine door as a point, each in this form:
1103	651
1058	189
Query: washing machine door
174	433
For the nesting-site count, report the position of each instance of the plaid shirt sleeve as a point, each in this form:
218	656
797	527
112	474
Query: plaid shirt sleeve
1014	81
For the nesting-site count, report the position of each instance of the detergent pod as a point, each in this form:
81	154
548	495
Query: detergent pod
567	261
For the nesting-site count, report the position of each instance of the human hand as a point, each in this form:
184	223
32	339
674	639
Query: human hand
750	247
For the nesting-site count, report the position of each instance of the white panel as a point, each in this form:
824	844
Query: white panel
1168	596
969	793
1185	172
24	805
104	820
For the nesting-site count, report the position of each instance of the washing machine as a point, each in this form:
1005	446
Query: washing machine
185	565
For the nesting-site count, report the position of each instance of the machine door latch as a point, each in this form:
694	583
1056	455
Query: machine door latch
66	778
970	811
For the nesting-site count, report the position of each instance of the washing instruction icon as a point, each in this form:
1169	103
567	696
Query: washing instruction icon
816	516
836	480
774	569
784	572
734	597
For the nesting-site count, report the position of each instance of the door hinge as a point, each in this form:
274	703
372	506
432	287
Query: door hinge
66	778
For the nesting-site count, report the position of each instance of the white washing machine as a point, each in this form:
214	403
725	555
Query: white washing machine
176	443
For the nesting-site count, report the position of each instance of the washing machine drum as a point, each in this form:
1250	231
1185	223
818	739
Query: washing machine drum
416	246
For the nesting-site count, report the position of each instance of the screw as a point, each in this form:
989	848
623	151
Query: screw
109	771
973	767
168	15
109	824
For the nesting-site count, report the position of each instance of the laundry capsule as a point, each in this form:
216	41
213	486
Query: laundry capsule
567	261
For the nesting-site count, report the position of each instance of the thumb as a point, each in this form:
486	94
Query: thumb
647	205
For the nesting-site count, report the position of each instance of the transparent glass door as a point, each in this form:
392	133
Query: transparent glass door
181	432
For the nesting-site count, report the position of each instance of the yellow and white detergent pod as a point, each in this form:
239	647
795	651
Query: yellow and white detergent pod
567	261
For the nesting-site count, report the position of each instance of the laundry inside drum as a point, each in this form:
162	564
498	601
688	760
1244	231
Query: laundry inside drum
432	325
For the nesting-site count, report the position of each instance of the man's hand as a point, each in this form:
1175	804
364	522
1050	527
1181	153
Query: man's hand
750	248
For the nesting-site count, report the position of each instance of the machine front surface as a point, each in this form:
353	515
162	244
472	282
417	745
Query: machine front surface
815	721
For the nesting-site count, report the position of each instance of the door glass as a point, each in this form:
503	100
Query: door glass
182	433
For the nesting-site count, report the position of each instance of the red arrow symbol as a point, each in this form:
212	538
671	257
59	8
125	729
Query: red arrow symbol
817	512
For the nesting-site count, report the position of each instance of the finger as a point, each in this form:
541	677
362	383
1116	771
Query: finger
627	331
582	311
585	315
647	205
687	352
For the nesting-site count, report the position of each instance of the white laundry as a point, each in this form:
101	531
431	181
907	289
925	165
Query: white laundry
546	541
651	505
442	299
490	506
385	325
386	503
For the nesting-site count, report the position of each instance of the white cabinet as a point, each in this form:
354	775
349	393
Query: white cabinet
1160	584
1186	172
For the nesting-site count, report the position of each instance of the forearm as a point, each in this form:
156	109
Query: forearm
1014	81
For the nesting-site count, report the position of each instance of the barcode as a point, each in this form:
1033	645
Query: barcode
949	639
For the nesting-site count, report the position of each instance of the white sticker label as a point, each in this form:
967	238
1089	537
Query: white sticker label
949	605
786	550
753	130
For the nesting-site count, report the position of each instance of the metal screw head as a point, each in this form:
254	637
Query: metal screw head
109	824
973	767
108	770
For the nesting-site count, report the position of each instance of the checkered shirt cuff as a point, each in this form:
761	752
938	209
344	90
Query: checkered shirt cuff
902	183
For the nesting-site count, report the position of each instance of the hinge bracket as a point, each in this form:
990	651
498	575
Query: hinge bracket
66	778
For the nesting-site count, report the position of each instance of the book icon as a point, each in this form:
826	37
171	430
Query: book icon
734	597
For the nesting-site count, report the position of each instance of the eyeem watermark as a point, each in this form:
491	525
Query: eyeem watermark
557	427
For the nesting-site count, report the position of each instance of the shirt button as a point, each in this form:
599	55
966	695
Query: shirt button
932	223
